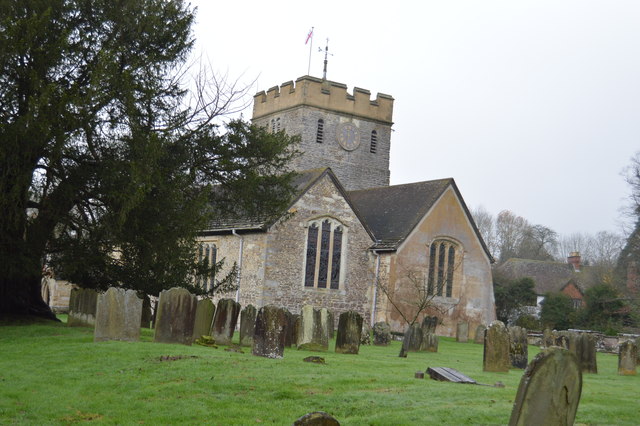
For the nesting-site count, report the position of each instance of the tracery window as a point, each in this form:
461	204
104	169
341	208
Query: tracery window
320	131
374	142
324	254
442	268
207	252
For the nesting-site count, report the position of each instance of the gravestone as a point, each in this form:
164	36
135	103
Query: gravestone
297	321
381	334
429	324
147	314
479	337
462	332
561	339
269	332
583	345
224	321
204	317
349	331
496	348
82	307
290	328
549	390
518	347
118	315
365	335
175	316
331	325
413	338
313	333
429	341
548	338
247	325
627	358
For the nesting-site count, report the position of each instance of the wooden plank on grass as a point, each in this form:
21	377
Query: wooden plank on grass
446	374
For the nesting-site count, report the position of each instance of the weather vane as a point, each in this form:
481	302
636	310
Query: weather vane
326	53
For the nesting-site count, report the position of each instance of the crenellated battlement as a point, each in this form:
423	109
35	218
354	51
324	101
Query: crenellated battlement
312	91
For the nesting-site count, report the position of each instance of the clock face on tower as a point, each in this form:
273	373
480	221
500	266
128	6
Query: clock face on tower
347	136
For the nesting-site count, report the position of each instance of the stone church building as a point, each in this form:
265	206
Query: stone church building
348	240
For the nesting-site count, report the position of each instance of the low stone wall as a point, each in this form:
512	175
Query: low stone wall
604	343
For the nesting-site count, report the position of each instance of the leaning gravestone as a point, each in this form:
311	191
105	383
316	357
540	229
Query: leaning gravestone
204	317
479	337
518	347
462	332
549	390
269	332
496	348
313	332
82	307
118	316
349	331
224	321
247	325
381	334
413	338
175	316
583	345
627	358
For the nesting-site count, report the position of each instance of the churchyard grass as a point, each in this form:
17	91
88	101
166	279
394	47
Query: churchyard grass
51	374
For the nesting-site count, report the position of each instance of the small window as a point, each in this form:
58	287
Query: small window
273	125
374	142
278	128
320	131
324	254
442	268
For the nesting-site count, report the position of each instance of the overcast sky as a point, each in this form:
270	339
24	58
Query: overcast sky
531	106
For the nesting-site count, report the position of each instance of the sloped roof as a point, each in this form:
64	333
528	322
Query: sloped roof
548	276
392	212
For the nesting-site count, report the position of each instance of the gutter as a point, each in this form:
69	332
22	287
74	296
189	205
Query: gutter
375	289
240	250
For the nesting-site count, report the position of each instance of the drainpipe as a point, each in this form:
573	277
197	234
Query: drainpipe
240	249
375	288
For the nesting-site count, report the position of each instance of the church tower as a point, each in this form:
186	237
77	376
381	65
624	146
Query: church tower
348	132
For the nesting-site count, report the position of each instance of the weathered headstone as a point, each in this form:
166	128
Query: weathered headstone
317	418
349	331
289	336
583	345
331	325
496	348
147	314
175	316
429	341
549	391
479	337
365	335
561	339
247	325
413	338
313	333
518	347
381	334
269	332
548	338
297	323
627	358
429	324
204	317
224	321
118	315
462	332
82	307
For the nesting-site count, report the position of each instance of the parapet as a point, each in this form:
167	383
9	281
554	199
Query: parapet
323	94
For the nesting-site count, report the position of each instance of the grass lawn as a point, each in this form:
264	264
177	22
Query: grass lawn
51	374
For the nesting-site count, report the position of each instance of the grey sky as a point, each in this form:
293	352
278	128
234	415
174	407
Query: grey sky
532	106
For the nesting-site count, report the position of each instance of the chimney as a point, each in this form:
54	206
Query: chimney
574	259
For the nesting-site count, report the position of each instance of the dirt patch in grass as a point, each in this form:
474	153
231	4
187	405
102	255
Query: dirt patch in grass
175	357
79	416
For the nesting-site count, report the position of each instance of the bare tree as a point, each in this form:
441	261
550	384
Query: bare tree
485	223
510	231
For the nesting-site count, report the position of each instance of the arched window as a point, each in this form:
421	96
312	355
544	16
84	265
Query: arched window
207	252
278	124
374	142
324	254
320	131
442	268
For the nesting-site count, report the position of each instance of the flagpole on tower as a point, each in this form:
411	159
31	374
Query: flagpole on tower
310	37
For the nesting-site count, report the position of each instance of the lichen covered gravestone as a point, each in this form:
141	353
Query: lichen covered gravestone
518	347
247	325
349	331
118	316
381	334
313	332
462	332
204	317
224	321
82	307
496	348
175	316
583	345
627	358
269	332
549	391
